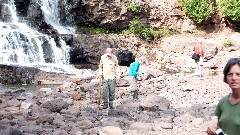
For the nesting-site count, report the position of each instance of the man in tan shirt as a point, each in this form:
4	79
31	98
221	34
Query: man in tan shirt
108	69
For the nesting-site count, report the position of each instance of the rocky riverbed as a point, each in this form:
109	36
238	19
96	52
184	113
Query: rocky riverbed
170	103
172	100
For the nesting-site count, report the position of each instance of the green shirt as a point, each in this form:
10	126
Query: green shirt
228	116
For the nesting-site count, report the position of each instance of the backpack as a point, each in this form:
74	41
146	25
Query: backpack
196	56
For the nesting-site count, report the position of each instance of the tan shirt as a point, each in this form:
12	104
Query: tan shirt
238	54
108	66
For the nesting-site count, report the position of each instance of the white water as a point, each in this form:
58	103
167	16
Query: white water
51	13
22	45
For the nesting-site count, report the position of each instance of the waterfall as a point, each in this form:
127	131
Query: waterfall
22	45
12	8
50	9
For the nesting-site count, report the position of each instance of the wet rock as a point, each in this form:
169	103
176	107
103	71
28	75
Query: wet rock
123	82
25	96
155	103
11	131
67	86
89	86
14	102
45	119
5	114
85	124
183	119
141	126
197	121
55	105
25	105
32	129
69	117
59	123
16	74
117	113
110	130
76	96
13	110
60	132
71	111
18	92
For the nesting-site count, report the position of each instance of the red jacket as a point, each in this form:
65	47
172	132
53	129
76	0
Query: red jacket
198	49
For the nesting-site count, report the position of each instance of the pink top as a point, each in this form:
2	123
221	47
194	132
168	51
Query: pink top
198	49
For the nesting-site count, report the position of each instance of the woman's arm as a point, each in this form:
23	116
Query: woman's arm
212	130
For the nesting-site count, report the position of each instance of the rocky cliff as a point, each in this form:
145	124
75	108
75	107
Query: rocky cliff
155	13
113	14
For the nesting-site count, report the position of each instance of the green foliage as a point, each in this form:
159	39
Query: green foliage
150	33
198	10
135	27
227	42
95	29
230	9
147	33
134	7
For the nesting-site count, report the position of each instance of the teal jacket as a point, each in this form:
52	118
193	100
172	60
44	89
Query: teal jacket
134	67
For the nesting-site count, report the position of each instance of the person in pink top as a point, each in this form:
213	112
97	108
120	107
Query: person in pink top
198	49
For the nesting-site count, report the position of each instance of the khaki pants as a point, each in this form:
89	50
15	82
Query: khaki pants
108	91
133	85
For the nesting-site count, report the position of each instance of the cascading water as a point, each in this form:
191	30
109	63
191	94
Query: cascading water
23	45
50	9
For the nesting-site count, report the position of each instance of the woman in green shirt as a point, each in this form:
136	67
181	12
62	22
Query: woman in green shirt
228	108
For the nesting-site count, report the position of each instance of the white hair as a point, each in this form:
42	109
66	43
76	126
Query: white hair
142	59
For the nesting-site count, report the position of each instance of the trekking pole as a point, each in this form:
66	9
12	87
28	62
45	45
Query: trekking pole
99	92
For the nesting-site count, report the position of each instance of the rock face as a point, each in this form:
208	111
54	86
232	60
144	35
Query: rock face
112	14
89	48
12	74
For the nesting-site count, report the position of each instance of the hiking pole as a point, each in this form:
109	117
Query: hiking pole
99	92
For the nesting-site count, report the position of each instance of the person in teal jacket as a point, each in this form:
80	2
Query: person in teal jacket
133	73
134	67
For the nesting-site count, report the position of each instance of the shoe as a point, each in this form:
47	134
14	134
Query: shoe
136	100
135	95
105	106
111	105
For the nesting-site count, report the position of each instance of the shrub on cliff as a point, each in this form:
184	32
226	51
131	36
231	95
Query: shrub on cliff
198	10
131	6
230	9
145	32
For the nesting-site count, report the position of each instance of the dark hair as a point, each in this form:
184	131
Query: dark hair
231	62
